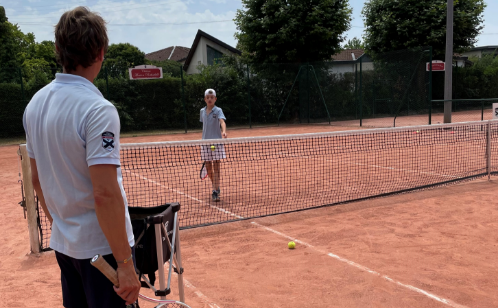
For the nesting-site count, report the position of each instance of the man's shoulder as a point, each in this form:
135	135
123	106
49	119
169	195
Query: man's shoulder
203	109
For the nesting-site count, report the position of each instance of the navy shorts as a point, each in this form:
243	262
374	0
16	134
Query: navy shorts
84	286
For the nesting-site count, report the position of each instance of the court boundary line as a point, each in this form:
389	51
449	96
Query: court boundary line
354	264
364	268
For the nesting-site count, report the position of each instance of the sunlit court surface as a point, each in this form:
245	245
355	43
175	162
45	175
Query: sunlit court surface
434	245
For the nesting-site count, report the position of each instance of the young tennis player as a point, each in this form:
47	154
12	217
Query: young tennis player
72	137
213	127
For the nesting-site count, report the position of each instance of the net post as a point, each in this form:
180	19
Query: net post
488	150
29	191
183	100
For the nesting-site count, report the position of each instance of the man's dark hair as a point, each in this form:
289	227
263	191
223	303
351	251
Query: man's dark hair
80	36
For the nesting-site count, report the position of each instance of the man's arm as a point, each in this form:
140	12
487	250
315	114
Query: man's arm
110	210
223	128
36	184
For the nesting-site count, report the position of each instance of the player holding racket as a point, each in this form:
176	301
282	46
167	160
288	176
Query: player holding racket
213	127
72	137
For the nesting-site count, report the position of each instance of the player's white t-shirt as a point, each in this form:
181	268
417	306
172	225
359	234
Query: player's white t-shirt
70	126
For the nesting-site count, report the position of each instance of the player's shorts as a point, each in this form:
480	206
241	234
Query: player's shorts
209	155
83	285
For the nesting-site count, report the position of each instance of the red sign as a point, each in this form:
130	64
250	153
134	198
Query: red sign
438	66
146	72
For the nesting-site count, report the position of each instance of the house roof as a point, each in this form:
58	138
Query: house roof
347	55
198	36
490	47
175	53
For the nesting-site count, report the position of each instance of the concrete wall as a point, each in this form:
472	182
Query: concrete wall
200	54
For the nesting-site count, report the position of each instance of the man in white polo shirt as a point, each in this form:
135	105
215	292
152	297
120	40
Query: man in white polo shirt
72	137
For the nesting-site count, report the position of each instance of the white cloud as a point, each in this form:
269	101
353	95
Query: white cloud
170	23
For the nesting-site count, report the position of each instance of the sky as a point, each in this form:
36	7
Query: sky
156	24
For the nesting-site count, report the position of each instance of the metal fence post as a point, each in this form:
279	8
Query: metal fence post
308	88
107	84
249	95
361	92
183	100
482	110
430	86
22	84
356	90
488	150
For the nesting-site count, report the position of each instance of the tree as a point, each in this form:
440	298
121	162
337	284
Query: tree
395	25
120	57
170	67
8	50
354	43
284	31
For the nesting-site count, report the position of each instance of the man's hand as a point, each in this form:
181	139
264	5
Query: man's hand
129	285
224	135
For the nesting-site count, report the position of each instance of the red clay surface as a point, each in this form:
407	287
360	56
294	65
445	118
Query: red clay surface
442	241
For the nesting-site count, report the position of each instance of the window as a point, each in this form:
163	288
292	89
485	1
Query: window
213	55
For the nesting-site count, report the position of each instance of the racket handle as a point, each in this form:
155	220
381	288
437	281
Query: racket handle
101	264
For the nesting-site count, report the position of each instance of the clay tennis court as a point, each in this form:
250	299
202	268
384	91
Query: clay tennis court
432	248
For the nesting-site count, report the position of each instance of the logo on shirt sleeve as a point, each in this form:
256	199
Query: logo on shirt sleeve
108	141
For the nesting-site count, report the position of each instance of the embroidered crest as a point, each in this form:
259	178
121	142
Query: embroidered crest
108	141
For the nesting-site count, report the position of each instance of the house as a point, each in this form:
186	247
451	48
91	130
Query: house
461	61
480	51
345	61
175	53
205	50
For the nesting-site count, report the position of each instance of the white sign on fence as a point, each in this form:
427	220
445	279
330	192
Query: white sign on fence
495	110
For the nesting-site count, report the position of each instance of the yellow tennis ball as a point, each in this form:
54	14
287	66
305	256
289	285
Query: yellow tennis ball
292	245
213	148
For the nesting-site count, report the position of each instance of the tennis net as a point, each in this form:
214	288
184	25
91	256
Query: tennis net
264	176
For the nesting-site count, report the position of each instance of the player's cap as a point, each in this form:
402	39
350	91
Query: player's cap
210	92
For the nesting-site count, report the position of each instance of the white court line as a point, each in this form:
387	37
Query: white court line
199	294
366	269
361	267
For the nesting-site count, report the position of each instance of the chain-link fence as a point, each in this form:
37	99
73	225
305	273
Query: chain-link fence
463	110
385	90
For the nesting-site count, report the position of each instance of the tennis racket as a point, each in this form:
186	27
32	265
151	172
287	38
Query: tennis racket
204	172
102	265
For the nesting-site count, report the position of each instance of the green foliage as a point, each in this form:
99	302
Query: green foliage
286	31
477	81
11	110
170	67
395	25
354	43
120	57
